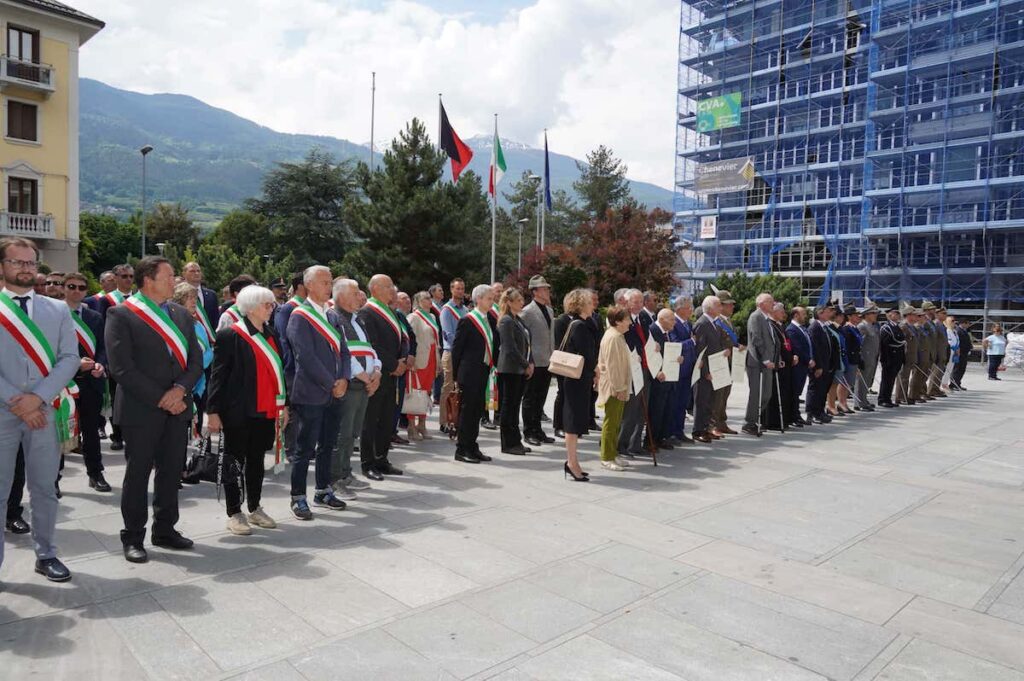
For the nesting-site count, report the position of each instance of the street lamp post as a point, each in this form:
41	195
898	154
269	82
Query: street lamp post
537	178
144	151
522	223
160	247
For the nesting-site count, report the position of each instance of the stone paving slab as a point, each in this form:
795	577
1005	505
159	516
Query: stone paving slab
885	546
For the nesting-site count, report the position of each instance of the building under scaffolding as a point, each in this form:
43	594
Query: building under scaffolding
874	148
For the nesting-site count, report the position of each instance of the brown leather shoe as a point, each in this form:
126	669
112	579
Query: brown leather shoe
727	430
702	437
715	434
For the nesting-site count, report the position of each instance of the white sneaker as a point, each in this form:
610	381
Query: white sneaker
342	491
622	462
612	466
352	482
259	518
238	524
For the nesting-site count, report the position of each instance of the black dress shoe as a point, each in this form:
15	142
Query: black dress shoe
545	418
535	441
666	445
483	457
702	437
796	424
18	526
53	570
560	433
176	541
372	474
116	445
397	439
134	553
99	483
515	451
751	430
466	458
547	439
387	469
887	405
684	440
488	425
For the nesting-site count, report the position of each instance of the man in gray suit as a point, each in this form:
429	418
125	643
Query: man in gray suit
708	341
538	316
762	358
869	348
38	358
153	354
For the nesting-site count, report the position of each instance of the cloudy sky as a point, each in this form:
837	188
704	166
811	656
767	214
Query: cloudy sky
591	71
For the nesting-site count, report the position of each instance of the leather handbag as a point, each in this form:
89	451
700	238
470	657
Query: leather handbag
417	401
566	364
208	463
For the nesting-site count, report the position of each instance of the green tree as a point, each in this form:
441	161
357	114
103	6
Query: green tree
171	224
560	266
413	225
745	289
304	204
109	241
241	230
602	184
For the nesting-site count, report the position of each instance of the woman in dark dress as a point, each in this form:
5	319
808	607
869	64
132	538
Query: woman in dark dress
579	340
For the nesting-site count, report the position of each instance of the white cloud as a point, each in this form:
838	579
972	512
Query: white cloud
591	71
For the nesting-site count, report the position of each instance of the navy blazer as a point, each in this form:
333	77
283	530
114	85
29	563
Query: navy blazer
822	346
800	340
682	332
85	380
210	306
280	324
93	302
317	365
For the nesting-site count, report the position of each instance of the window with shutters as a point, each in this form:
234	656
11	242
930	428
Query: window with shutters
22	121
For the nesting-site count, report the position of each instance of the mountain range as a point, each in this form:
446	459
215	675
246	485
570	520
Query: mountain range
211	160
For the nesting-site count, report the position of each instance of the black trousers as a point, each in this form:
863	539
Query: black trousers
14	507
158	445
470	411
817	391
776	417
798	380
89	405
378	425
534	397
889	374
703	402
115	428
247	444
958	371
659	409
556	416
511	388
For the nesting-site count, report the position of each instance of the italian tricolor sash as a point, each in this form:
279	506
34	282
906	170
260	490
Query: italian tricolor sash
233	314
459	314
204	338
86	338
320	323
201	317
115	298
30	337
384	311
158	320
432	323
483	325
270	386
295	301
435	309
360	348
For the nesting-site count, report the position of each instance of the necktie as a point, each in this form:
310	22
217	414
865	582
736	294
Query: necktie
78	312
23	301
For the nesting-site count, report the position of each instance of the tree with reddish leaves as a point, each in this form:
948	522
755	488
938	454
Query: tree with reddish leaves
558	264
629	247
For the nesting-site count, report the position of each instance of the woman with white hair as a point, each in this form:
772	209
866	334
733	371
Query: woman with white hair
247	394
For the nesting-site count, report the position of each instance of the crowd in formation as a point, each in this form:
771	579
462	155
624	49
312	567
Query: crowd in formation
319	370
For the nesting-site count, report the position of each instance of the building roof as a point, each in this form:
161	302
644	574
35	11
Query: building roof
59	8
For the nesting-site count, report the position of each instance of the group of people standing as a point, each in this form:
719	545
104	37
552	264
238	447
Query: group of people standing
319	369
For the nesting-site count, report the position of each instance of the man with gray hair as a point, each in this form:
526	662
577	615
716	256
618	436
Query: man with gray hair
763	355
708	340
474	354
682	393
634	417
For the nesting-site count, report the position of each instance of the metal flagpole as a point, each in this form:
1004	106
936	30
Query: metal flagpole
544	193
373	103
494	201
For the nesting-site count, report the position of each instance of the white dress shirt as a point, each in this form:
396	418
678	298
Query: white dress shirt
30	294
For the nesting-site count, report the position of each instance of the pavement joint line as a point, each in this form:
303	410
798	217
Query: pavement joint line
989	598
880	662
901	609
960	464
743	495
882	524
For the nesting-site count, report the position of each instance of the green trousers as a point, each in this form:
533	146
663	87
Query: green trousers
613	409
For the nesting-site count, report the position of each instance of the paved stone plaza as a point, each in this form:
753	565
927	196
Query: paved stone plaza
886	546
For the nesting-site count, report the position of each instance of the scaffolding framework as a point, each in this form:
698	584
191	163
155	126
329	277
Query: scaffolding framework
887	138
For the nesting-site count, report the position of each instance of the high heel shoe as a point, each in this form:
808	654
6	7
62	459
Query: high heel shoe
568	471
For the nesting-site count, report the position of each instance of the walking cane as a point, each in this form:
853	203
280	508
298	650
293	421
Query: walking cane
651	446
759	404
778	393
864	383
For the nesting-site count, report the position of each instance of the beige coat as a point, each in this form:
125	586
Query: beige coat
424	341
613	366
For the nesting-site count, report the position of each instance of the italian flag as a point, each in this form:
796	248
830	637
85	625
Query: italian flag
498	166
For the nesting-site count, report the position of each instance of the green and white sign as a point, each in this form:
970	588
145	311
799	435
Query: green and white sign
717	113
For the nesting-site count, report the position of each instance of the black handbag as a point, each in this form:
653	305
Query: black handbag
208	463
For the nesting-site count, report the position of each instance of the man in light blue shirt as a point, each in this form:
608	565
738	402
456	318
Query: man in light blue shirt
452	311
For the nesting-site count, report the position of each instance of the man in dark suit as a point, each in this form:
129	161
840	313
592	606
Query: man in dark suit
822	374
91	377
963	332
402	307
634	416
800	341
474	353
156	360
384	333
107	284
892	351
322	368
708	340
206	298
280	323
124	277
649	313
661	390
682	332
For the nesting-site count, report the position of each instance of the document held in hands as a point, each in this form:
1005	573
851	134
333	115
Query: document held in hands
671	366
637	370
718	366
654	360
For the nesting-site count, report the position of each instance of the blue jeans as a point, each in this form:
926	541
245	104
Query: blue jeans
315	439
993	365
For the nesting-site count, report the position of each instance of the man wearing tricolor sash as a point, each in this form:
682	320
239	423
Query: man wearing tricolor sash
124	278
492	401
207	312
474	355
38	360
229	311
452	311
107	284
91	377
155	358
436	292
280	323
322	370
385	334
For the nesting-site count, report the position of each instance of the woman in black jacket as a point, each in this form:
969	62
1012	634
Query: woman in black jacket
515	366
578	340
247	394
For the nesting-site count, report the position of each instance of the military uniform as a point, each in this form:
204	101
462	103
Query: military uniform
892	350
912	338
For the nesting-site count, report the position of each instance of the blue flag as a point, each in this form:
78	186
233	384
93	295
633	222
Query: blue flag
547	174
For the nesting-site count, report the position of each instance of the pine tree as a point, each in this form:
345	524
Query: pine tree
602	184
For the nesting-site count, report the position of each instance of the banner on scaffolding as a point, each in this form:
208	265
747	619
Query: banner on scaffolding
718	113
728	175
708	226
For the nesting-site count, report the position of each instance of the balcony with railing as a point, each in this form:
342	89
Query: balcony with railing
27	74
26	225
